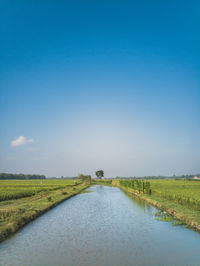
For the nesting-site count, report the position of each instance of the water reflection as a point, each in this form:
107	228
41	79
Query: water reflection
146	207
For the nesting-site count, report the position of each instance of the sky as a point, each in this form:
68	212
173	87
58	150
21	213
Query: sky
88	85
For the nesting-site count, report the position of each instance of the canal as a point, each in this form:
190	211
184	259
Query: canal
101	228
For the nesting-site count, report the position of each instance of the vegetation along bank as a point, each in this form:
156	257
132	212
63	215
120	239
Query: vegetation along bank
179	198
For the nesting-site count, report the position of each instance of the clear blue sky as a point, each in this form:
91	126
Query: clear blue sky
113	85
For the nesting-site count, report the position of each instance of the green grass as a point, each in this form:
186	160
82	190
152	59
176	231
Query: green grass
183	192
164	216
15	189
19	207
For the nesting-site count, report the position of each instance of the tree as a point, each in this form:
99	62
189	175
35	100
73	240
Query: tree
99	174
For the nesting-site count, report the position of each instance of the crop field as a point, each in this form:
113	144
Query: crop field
180	191
15	189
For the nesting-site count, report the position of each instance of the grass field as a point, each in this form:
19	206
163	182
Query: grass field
15	189
23	200
183	192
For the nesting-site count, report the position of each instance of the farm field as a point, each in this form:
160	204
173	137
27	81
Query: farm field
183	192
14	189
23	200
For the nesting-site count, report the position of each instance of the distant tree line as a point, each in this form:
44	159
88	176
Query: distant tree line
68	177
7	176
161	177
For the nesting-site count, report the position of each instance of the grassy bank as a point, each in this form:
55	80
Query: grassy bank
179	198
19	208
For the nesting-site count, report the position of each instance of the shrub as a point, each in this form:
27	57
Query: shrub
49	198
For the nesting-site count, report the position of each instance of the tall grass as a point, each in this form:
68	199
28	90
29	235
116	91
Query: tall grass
180	191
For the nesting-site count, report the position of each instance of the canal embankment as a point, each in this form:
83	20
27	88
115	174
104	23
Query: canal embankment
188	216
14	214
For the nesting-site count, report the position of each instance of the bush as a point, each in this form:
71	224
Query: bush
49	198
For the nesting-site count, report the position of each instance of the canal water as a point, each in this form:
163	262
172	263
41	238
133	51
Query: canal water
102	228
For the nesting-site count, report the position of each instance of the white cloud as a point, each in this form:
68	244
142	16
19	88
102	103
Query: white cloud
21	140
